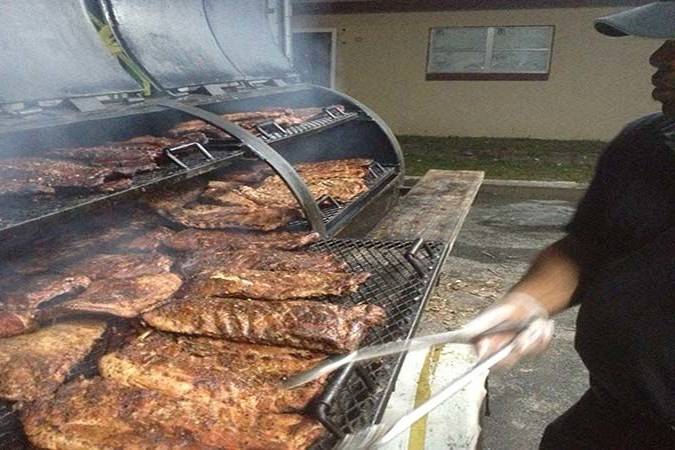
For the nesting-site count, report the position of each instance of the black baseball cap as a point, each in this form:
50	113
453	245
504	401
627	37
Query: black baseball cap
655	20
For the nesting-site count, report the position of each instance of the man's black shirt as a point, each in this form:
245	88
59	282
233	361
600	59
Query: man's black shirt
626	223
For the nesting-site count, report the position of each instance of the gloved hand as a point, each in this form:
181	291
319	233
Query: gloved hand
514	307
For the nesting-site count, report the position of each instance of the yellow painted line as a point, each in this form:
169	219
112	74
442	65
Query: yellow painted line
418	432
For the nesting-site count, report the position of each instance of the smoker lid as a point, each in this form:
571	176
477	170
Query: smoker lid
243	32
50	50
171	40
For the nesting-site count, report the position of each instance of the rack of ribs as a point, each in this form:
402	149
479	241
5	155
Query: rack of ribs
30	175
119	266
187	131
209	261
34	365
206	371
191	239
22	296
127	297
319	326
276	285
99	414
209	217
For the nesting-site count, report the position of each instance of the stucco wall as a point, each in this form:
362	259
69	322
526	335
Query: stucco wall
597	84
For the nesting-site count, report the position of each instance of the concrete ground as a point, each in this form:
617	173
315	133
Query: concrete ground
505	229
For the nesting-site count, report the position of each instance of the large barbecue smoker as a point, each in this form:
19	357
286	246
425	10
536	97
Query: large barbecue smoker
116	204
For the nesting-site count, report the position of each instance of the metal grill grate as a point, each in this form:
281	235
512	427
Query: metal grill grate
335	212
401	284
22	211
320	124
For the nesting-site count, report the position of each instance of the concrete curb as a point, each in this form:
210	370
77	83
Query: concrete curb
411	181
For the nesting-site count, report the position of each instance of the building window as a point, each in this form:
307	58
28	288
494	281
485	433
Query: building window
490	53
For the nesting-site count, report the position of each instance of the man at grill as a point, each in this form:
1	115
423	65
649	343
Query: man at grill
618	263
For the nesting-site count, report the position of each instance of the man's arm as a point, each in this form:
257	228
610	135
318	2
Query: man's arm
553	276
546	289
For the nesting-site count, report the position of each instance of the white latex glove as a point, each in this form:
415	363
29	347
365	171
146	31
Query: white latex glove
514	307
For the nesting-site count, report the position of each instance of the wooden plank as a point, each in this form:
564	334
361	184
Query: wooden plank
434	209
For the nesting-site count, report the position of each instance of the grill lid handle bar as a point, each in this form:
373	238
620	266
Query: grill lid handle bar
266	153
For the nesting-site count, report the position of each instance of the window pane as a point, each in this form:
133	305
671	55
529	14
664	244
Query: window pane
509	61
449	39
453	62
523	38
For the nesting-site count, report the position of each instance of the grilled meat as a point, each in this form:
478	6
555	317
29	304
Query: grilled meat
339	168
279	285
31	292
102	415
209	261
189	240
148	241
252	175
50	175
22	296
205	371
34	365
185	129
119	266
155	141
128	157
310	325
253	116
58	252
13	323
274	192
124	297
210	217
165	202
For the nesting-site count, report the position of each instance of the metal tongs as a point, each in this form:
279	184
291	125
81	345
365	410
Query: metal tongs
378	435
460	336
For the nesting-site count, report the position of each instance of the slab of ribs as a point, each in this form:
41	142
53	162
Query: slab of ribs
319	326
34	365
209	372
277	285
266	204
101	414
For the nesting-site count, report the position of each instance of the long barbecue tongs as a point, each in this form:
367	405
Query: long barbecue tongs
380	434
460	336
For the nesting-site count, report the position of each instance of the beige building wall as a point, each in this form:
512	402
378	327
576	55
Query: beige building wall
597	84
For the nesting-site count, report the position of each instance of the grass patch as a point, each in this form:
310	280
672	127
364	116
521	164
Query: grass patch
504	158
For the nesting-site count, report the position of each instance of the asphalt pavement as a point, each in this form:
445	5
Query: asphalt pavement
506	228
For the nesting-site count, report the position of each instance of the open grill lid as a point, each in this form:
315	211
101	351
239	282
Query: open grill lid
189	43
233	23
50	51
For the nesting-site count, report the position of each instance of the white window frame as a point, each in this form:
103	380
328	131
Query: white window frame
487	74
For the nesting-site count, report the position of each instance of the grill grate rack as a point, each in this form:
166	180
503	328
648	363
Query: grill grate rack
401	282
403	276
335	212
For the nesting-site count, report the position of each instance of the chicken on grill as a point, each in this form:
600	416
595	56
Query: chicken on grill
99	414
34	365
277	285
309	325
190	240
206	371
